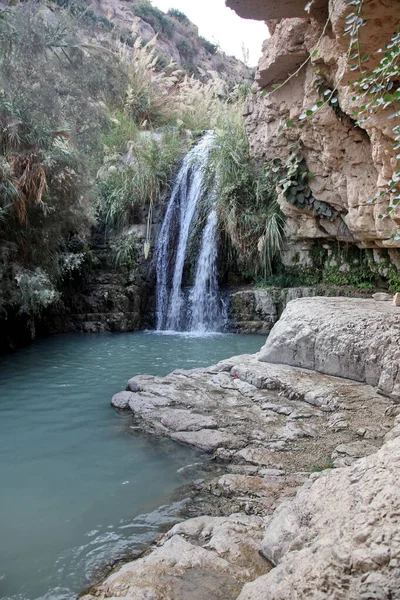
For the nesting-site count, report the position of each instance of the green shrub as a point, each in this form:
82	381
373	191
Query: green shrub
125	250
208	46
250	217
52	110
186	49
34	292
127	189
155	17
179	16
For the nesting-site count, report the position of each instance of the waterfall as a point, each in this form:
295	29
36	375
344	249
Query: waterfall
204	298
202	310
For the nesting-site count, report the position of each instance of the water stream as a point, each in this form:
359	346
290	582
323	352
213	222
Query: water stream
79	486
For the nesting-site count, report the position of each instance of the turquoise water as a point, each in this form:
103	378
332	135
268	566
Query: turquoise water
79	486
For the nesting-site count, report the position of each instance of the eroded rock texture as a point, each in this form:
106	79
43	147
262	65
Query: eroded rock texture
349	163
339	538
347	337
257	310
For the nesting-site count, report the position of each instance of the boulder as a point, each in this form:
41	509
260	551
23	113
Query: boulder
346	337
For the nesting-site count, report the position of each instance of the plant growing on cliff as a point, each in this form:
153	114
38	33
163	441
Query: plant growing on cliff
132	183
376	90
250	217
293	178
160	22
179	16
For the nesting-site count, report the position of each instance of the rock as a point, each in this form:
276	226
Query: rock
256	311
252	311
121	400
281	533
272	472
206	440
258	456
184	420
349	164
339	537
382	297
244	411
202	558
347	337
272	424
345	454
396	299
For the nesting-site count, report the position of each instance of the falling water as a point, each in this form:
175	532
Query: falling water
205	308
204	298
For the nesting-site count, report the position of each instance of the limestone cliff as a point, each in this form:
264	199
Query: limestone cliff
349	162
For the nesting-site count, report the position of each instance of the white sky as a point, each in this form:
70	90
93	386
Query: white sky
222	26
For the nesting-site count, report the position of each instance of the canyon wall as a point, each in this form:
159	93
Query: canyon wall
348	162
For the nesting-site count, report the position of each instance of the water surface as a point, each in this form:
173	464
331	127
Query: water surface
79	486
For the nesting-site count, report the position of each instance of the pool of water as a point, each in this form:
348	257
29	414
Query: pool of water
79	487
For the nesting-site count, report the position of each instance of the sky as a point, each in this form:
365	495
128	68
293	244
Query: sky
222	26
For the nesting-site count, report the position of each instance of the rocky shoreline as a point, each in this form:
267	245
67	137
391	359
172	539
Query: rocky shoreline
328	534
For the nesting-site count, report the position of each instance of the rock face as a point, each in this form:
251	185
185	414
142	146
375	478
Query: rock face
203	558
339	538
349	162
257	311
244	411
177	39
111	297
347	337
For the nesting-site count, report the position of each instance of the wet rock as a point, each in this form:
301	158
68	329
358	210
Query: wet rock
202	558
121	400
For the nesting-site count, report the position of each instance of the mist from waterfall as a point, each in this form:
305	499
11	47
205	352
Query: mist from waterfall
201	310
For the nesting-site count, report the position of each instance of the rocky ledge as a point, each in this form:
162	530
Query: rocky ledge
331	534
257	310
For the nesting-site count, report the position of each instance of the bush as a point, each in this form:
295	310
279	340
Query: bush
250	217
186	50
148	99
208	46
51	114
179	16
155	17
125	190
35	291
125	251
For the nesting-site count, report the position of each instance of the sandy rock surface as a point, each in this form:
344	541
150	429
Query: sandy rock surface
349	163
339	538
347	337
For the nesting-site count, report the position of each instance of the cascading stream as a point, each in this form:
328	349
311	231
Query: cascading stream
204	298
204	310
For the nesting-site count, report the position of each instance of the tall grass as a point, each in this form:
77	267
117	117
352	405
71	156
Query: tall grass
249	215
132	183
